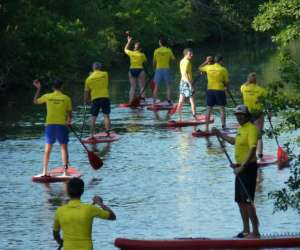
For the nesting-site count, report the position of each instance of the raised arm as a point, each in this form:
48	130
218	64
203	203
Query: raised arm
99	201
129	39
37	85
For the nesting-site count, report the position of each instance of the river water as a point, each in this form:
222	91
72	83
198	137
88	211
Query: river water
161	183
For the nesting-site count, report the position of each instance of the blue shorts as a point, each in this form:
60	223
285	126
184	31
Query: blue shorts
184	89
135	72
162	75
57	132
103	103
215	98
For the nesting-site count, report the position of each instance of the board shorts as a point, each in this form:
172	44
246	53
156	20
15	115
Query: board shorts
135	72
162	75
246	180
215	98
184	89
102	103
57	132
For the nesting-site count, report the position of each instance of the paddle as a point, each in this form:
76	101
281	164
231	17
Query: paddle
231	165
231	96
173	110
94	159
282	156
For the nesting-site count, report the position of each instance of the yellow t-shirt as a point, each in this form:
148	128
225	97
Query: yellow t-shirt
163	57
251	95
58	105
75	219
185	69
217	76
97	84
136	57
246	138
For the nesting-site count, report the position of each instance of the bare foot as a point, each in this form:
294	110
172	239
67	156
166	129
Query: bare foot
253	236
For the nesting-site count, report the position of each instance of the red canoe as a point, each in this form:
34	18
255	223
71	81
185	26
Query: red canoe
208	243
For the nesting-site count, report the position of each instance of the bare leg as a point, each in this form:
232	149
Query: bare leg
155	92
254	220
47	153
259	123
93	125
208	114
168	91
132	81
106	122
179	106
141	80
245	216
65	156
223	116
193	106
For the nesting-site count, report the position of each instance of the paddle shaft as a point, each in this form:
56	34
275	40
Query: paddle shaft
231	164
231	96
271	125
77	136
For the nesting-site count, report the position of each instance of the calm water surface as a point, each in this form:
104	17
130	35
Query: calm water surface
161	183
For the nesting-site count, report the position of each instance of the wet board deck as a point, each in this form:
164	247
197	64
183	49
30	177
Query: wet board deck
208	243
267	160
101	138
147	102
201	119
160	106
55	175
202	133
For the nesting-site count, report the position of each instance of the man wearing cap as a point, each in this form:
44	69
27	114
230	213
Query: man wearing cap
245	169
96	91
218	80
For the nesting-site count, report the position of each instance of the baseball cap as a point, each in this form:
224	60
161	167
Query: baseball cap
241	109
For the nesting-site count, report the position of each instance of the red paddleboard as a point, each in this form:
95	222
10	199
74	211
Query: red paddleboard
147	102
55	175
201	119
202	133
101	138
208	243
160	106
267	160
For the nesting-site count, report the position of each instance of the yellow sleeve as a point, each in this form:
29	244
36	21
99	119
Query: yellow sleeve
203	69
99	212
42	99
154	55
128	52
144	58
56	225
69	104
172	55
226	75
252	136
242	88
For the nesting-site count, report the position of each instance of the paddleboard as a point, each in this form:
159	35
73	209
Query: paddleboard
201	119
208	243
202	133
267	160
160	106
55	175
146	102
101	138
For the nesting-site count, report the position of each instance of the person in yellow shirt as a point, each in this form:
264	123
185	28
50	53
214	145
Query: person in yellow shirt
252	97
59	115
218	81
245	169
136	72
75	219
162	58
96	92
186	89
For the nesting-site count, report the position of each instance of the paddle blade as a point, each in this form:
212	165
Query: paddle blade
135	102
282	157
95	160
152	85
173	110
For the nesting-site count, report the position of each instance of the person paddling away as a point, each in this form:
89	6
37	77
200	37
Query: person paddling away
252	98
96	91
245	169
59	115
75	219
186	86
218	80
161	62
136	72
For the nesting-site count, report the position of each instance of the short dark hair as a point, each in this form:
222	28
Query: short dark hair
57	84
163	41
219	58
75	187
97	65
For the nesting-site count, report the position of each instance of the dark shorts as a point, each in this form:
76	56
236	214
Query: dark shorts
135	72
215	98
57	132
100	103
162	75
246	180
